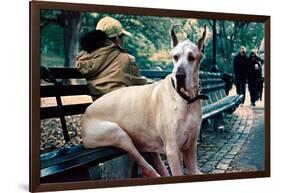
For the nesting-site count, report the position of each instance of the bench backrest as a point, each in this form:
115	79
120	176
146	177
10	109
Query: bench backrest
51	90
212	85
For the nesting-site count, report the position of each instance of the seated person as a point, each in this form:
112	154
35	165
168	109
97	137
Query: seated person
103	61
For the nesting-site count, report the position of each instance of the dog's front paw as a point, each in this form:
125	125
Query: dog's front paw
149	172
198	172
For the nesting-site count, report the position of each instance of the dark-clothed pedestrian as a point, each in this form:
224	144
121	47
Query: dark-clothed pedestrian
240	66
254	77
260	88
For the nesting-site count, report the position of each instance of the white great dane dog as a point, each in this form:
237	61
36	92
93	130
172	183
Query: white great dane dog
163	117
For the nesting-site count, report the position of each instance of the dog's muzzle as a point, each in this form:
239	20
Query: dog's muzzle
189	98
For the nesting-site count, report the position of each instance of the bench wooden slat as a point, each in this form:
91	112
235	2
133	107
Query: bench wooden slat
64	90
66	154
72	73
223	105
91	156
206	81
154	73
70	90
66	73
218	104
53	112
208	88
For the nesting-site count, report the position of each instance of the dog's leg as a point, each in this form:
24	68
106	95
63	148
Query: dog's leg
190	159
175	160
126	144
159	164
105	133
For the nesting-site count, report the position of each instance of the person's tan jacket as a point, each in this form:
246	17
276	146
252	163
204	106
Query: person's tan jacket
108	68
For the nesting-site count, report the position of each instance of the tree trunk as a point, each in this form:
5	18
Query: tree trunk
214	67
72	25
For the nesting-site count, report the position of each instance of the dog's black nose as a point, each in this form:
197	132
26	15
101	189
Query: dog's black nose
180	77
180	74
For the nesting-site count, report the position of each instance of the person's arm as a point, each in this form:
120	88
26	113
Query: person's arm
89	65
84	63
235	66
260	59
134	72
259	70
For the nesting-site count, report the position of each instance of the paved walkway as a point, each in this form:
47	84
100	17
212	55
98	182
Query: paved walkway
237	144
251	155
219	147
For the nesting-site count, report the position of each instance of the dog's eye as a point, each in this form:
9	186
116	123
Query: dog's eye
191	58
176	57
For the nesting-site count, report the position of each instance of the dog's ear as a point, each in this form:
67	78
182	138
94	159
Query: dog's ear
174	39
200	43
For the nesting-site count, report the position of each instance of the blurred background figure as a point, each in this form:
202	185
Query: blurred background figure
254	77
240	65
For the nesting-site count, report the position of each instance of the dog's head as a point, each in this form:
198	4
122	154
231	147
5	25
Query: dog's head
186	58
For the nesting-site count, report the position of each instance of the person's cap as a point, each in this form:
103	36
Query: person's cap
112	27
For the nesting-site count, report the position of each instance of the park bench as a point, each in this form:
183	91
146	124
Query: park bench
78	163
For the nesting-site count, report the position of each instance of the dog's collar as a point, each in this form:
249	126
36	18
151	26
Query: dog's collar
190	99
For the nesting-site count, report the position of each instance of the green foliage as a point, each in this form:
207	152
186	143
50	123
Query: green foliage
233	34
52	40
150	43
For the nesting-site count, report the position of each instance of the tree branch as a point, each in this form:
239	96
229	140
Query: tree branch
47	21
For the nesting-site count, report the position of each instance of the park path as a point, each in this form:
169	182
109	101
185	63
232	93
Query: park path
238	143
251	155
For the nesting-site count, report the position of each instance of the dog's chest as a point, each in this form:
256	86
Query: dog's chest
187	124
187	114
191	121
